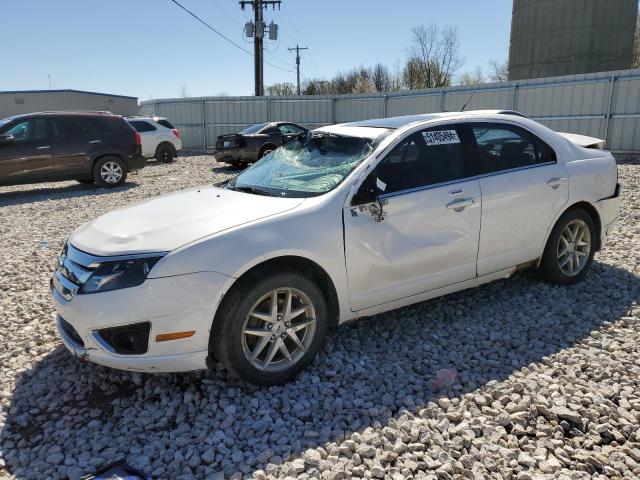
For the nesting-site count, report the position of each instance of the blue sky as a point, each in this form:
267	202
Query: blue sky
151	48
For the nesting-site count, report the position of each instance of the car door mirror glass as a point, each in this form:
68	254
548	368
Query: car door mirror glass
6	138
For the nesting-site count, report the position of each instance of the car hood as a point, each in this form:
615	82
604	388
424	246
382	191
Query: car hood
167	222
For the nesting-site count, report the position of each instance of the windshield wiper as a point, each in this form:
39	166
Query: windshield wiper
254	190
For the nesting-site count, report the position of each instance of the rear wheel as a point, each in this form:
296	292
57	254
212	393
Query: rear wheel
109	172
266	150
570	248
270	328
164	153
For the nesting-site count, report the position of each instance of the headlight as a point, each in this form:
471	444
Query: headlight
119	274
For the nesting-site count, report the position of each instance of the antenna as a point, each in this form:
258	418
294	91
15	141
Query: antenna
468	100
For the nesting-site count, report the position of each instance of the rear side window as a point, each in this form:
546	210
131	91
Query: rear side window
429	157
165	123
102	125
504	147
70	126
142	126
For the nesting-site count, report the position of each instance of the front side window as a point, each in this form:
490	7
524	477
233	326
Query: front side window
428	157
28	130
504	147
142	126
308	166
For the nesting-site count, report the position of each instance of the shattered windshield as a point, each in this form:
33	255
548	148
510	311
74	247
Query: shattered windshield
308	166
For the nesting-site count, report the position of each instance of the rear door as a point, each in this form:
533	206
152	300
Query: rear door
427	235
524	187
73	140
28	157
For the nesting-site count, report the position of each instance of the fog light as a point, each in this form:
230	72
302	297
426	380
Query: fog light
126	340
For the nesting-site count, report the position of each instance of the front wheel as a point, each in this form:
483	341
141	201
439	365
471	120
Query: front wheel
110	172
270	328
570	248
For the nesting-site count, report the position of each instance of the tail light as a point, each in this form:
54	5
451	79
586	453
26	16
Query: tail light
138	139
176	132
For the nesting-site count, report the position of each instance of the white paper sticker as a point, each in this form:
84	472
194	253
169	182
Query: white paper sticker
381	185
441	137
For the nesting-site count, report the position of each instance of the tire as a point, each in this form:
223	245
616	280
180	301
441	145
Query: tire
109	172
85	181
165	153
573	265
233	347
267	149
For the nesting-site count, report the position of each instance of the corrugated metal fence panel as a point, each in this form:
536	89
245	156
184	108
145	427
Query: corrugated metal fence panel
563	100
236	111
577	103
303	111
479	99
351	109
410	104
148	109
184	113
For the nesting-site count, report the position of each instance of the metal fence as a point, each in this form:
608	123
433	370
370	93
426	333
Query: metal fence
604	105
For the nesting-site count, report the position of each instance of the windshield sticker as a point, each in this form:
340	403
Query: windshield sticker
381	185
441	137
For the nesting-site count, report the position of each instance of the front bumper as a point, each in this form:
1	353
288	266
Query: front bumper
170	304
608	210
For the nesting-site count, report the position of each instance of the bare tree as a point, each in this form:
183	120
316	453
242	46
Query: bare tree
381	78
278	89
434	57
472	78
184	93
498	71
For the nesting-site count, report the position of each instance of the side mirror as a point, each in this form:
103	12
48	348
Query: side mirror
6	138
367	191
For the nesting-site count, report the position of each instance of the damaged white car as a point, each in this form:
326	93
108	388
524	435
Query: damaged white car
348	221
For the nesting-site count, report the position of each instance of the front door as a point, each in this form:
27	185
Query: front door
27	157
524	187
426	236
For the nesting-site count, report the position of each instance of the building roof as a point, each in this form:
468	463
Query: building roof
13	92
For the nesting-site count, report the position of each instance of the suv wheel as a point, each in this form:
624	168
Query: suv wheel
164	154
109	172
270	328
570	248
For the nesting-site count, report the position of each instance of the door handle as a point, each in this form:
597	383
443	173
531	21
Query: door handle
95	141
44	147
555	182
459	205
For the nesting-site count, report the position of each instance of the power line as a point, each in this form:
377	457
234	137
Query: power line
224	36
227	14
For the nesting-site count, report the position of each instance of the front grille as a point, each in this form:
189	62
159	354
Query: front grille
127	339
73	269
71	332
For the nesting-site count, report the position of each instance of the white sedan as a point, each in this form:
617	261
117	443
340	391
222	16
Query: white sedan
346	222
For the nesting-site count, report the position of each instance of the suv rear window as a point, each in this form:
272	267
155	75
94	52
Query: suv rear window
165	123
142	126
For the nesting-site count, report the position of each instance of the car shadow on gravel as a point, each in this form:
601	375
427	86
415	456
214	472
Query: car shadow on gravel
51	192
67	417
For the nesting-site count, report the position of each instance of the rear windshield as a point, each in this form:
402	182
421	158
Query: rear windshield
165	123
254	128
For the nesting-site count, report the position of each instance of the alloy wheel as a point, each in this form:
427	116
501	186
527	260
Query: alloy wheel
111	172
574	247
279	329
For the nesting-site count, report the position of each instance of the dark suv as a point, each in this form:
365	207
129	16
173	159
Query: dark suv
52	146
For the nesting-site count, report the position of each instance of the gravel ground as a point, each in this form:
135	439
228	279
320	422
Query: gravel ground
547	378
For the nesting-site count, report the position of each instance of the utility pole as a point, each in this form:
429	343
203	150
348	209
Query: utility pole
257	31
297	49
